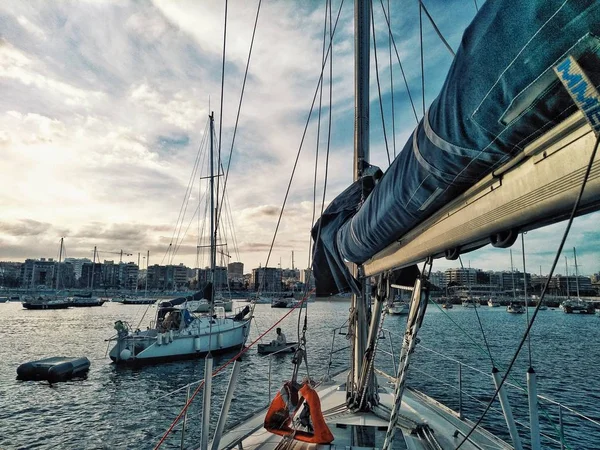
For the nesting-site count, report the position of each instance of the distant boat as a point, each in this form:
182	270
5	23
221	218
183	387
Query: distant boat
36	301
493	303
3	299
45	302
86	301
577	306
447	305
267	349
283	301
138	301
399	309
515	308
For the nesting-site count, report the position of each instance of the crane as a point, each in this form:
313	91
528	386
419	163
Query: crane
120	253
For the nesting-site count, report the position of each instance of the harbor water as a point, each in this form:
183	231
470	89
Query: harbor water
130	408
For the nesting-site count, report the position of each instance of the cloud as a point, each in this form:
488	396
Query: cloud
16	66
24	227
104	106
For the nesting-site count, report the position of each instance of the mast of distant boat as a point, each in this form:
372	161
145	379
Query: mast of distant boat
93	270
576	273
567	277
59	261
512	275
147	266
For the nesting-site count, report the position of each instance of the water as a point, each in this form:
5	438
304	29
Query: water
132	408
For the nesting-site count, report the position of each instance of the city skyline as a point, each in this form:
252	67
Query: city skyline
98	142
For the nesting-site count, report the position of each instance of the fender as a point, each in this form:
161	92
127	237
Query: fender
284	407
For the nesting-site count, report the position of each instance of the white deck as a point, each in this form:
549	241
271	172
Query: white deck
417	410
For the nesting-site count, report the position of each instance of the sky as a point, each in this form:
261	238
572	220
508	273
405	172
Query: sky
104	106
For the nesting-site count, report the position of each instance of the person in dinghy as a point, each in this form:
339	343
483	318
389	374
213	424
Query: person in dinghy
281	339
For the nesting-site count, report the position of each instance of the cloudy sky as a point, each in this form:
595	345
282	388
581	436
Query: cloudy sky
104	106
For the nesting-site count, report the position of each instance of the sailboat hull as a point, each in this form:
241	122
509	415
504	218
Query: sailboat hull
141	348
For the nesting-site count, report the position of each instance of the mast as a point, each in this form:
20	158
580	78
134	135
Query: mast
213	206
512	275
576	273
362	21
147	265
567	276
59	261
93	269
208	362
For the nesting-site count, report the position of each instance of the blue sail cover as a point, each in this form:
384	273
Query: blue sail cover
501	93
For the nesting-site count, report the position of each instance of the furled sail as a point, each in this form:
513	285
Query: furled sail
501	93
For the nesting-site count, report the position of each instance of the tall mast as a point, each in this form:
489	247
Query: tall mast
59	261
576	272
213	205
362	22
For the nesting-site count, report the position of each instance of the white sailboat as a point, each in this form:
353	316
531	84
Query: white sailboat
576	305
178	333
517	191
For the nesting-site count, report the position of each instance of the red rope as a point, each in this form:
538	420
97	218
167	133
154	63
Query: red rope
219	369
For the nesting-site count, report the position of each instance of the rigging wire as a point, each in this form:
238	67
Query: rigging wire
237	117
392	82
437	30
476	7
489	352
316	170
221	107
188	189
387	148
287	192
412	103
543	294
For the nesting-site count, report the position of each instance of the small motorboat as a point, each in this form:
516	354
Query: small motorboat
399	309
267	349
493	303
55	369
577	306
515	308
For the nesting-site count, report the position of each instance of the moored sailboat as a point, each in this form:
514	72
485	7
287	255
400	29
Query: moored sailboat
178	333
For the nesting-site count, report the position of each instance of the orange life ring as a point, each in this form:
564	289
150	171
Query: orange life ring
286	404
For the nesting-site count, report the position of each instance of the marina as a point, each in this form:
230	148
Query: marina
116	407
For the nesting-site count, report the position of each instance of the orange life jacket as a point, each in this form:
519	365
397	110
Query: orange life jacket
286	404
